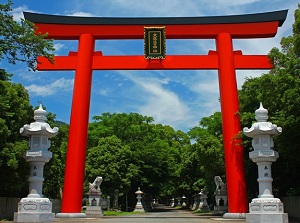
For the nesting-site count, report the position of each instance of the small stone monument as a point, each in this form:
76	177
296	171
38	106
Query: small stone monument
196	202
172	204
203	205
139	206
36	208
265	208
116	200
220	196
178	201
183	201
94	209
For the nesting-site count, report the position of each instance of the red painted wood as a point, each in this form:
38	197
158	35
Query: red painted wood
77	140
202	31
233	150
172	62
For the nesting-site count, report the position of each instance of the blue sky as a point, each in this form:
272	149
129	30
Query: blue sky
176	98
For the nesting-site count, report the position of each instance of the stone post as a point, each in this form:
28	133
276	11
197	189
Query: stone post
265	208
195	200
179	201
108	203
172	204
116	200
139	205
36	208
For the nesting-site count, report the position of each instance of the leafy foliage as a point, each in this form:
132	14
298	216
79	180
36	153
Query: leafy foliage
15	112
133	152
19	42
209	150
279	90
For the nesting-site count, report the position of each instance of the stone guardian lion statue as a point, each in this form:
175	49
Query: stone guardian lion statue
221	187
95	186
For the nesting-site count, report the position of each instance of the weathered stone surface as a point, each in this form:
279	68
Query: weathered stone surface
265	208
267	218
94	212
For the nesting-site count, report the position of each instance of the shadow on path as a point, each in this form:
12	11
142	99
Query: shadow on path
163	208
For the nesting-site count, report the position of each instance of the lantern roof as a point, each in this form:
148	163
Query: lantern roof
40	126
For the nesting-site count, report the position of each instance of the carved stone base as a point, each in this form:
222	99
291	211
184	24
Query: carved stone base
34	209
266	205
139	208
93	212
266	210
267	218
34	217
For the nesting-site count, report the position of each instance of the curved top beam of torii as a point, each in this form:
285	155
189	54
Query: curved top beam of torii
259	25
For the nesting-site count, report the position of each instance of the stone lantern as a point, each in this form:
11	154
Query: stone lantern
36	208
139	206
203	205
265	208
183	201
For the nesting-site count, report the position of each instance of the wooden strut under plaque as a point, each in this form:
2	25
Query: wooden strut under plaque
155	42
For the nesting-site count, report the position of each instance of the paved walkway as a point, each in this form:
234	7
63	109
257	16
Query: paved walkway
162	215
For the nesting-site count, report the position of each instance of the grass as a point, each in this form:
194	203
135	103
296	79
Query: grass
202	212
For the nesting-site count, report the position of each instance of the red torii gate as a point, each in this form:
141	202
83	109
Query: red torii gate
221	28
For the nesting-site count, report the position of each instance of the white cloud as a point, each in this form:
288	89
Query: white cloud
81	14
165	106
158	102
56	87
103	92
17	13
58	46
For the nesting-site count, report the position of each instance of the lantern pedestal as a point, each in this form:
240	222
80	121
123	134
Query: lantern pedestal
265	208
33	208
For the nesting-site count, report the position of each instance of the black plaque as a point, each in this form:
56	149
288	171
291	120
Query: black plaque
155	42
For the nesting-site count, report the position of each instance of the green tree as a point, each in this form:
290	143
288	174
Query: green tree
19	42
112	160
15	112
209	150
55	169
153	151
279	90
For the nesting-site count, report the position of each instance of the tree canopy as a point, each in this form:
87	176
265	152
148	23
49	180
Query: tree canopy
19	41
279	90
14	113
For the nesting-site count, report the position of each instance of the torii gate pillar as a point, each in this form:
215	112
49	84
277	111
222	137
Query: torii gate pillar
221	28
75	161
234	153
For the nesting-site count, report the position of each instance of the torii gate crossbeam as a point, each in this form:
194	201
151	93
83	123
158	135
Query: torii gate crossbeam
221	28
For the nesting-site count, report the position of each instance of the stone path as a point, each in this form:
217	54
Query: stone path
162	215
